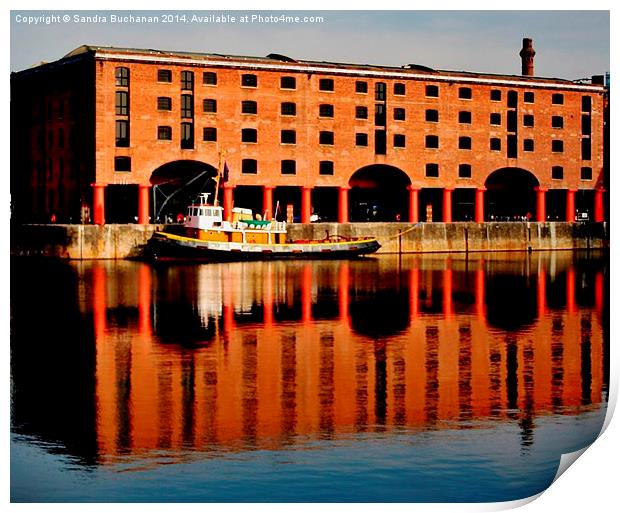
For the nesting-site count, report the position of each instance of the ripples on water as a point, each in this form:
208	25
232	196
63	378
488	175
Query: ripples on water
425	378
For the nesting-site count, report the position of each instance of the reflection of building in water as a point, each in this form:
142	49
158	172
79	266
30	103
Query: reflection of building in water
420	345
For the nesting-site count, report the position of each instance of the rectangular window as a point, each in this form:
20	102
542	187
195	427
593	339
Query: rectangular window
288	167
513	146
164	133
209	134
326	167
249	167
249	80
496	118
512	121
586	104
122	164
465	93
209	78
361	112
557	146
495	144
528	144
164	75
557	99
586	173
249	107
465	117
528	120
326	111
586	124
288	109
432	170
399	89
380	91
209	105
399	140
557	173
326	84
464	143
187	106
464	171
528	97
361	87
122	77
586	149
380	114
432	115
249	135
326	138
187	136
361	139
432	91
557	122
513	99
432	141
288	83
164	103
187	80
496	95
122	103
288	137
380	142
122	133
399	114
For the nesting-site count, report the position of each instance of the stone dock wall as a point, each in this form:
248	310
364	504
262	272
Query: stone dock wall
116	241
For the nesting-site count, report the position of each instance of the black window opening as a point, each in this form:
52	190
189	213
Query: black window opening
122	164
326	84
586	173
187	80
557	146
557	173
557	122
465	93
122	103
465	117
380	142
528	97
512	146
557	99
288	167
361	139
586	149
249	167
361	112
209	134
513	99
326	167
464	143
326	138
495	144
326	111
122	133
431	141
164	103
528	120
209	78
512	121
586	104
288	137
288	109
187	106
380	117
464	171
399	140
288	83
432	115
249	107
528	144
586	124
399	114
361	87
399	89
432	170
164	133
249	135
122	77
187	136
496	95
380	91
495	118
209	105
432	91
249	80
164	75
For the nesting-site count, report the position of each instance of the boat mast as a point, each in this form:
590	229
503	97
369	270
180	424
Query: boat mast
217	180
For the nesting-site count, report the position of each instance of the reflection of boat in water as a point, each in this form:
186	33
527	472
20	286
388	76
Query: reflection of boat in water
206	235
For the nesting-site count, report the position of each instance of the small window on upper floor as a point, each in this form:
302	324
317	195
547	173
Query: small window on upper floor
249	107
209	134
361	87
432	170
464	143
528	97
187	80
557	122
464	170
164	133
399	140
288	167
249	80
209	78
249	167
326	138
288	83
496	95
122	164
164	75
557	146
465	117
326	111
495	118
209	105
557	173
528	120
432	141
399	89
122	77
288	109
288	136
432	115
432	91
361	112
557	99
399	114
249	135
164	103
465	93
326	167
326	84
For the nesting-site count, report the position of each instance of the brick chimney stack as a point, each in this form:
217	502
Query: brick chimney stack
527	57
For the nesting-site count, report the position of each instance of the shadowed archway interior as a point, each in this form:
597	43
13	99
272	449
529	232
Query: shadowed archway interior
378	193
510	194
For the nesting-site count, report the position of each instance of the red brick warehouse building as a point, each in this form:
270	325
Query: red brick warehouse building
120	130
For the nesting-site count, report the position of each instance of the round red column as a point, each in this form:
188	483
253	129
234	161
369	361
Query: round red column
599	210
570	205
541	205
447	205
479	205
267	201
143	203
228	202
414	206
343	205
98	203
306	204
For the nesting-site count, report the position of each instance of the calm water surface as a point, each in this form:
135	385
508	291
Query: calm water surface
424	378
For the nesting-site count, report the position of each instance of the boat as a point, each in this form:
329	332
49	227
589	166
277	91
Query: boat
206	235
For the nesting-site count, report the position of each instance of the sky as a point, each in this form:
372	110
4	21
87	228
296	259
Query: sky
568	44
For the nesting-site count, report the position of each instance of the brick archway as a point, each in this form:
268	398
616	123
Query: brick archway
512	194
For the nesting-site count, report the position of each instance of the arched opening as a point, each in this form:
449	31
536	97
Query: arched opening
176	184
510	195
379	193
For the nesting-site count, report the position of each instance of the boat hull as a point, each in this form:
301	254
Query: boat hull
170	246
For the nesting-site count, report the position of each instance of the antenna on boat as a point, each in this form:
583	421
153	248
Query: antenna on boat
217	179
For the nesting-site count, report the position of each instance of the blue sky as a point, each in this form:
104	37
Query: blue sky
569	44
